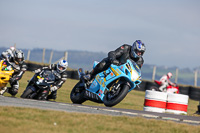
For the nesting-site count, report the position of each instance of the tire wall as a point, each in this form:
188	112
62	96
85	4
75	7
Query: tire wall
183	89
141	86
194	93
72	74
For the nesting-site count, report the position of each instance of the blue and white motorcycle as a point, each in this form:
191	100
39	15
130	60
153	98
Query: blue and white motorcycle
110	86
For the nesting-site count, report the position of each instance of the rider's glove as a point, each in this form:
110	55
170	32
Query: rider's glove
37	71
53	88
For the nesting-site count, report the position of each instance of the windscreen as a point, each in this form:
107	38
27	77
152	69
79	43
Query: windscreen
137	68
6	66
48	75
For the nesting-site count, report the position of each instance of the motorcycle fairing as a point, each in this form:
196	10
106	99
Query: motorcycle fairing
103	79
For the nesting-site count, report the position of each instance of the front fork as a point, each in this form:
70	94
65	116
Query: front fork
114	89
114	86
43	94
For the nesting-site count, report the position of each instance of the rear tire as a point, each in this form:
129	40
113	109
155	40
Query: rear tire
117	99
154	88
77	97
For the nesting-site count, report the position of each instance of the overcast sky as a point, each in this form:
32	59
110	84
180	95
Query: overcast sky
169	28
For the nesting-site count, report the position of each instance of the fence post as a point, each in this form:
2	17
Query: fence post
28	55
66	56
195	77
154	73
43	55
51	57
176	78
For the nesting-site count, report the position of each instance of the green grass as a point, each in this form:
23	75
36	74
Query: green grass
25	120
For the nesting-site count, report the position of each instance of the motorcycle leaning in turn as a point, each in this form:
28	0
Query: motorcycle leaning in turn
109	87
39	86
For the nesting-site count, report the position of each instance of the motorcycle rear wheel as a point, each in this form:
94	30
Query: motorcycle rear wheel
117	99
77	97
154	88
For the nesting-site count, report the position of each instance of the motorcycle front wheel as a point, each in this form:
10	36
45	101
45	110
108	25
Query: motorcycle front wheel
27	93
77	94
111	99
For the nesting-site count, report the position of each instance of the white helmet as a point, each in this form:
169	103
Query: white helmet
62	66
12	48
18	57
169	74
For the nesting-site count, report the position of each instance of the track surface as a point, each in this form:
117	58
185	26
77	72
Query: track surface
18	102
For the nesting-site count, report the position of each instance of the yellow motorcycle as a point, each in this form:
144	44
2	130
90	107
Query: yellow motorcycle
6	72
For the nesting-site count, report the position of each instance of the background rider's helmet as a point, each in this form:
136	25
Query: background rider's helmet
62	66
138	46
11	51
18	57
169	74
12	48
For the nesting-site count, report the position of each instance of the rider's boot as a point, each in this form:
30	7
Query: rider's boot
89	76
3	90
12	91
162	88
53	95
99	68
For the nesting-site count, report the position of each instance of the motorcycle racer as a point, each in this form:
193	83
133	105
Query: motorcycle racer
119	56
165	81
60	67
16	59
9	53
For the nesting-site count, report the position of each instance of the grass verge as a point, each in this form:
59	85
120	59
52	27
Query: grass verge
25	120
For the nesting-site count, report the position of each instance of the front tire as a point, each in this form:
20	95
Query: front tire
109	102
77	94
27	93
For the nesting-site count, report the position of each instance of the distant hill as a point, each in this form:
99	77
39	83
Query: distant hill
76	59
85	60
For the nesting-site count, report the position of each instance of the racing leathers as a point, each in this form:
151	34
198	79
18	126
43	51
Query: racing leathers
7	54
164	83
19	70
59	81
117	57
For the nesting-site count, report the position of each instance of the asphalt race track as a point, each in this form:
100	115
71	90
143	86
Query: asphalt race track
48	105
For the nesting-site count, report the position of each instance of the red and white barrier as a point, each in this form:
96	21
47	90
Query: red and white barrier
165	102
177	103
155	101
